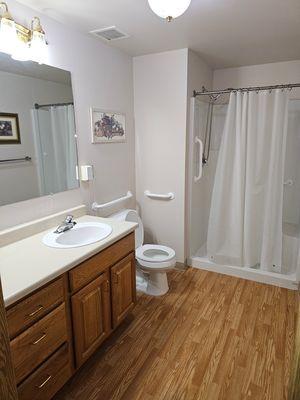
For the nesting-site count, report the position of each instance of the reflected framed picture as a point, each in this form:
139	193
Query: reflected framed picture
9	129
108	126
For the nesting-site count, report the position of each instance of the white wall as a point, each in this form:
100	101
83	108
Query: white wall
21	93
101	77
259	75
160	101
199	74
163	88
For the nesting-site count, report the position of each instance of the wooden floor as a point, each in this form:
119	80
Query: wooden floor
211	337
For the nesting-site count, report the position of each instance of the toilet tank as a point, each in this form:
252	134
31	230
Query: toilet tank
132	216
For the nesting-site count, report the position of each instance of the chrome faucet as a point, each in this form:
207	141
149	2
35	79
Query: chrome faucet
66	225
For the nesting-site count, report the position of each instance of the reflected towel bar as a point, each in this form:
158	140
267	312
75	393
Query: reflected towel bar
27	158
168	196
96	206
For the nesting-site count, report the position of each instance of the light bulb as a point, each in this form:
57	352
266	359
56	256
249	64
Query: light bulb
169	9
8	35
38	47
38	44
21	51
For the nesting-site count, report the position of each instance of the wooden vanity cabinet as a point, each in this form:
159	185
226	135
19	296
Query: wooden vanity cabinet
71	315
91	317
106	295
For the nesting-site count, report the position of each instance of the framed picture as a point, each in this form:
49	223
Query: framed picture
107	126
9	129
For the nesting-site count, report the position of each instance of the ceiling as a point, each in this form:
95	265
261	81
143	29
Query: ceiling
225	33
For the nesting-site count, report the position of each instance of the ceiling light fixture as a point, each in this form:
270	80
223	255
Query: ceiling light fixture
169	9
21	43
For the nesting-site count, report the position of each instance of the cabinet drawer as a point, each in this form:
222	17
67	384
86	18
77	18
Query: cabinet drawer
90	269
48	378
28	311
38	342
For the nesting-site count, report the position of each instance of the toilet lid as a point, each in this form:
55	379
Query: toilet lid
154	253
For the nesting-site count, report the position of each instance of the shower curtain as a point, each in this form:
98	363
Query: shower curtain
245	222
56	148
65	155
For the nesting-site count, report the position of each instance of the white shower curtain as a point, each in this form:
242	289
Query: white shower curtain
245	223
63	131
55	145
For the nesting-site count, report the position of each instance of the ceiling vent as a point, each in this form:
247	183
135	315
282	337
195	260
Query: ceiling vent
109	34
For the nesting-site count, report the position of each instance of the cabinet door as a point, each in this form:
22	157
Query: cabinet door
91	317
123	288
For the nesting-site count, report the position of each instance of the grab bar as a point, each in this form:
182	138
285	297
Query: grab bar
168	196
96	206
9	160
198	177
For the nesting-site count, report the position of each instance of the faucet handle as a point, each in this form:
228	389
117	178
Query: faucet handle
69	219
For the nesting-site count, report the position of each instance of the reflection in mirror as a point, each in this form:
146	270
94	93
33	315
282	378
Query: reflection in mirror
38	154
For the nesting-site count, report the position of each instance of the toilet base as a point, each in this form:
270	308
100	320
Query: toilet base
153	283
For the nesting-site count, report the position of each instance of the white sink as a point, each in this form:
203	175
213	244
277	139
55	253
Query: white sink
82	234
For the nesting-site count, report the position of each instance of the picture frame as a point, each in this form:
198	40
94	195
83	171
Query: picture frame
9	128
107	126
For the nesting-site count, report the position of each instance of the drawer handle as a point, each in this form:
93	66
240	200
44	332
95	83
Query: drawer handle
39	339
44	383
36	311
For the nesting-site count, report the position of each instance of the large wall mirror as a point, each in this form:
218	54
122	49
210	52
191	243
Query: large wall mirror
38	154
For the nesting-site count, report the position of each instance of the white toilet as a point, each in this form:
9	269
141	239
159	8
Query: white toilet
152	260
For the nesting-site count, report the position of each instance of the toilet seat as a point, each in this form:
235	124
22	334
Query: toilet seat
154	253
155	257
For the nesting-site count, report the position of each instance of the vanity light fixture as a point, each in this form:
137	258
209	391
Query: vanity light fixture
21	43
8	31
169	9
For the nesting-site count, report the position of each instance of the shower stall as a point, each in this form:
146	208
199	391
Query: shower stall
244	184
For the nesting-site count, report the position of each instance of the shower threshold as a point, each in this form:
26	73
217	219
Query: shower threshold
288	281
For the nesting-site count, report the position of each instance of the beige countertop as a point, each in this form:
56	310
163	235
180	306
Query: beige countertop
28	264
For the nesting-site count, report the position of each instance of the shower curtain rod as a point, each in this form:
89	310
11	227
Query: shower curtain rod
205	92
37	106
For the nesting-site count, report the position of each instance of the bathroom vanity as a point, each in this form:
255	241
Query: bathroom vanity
57	326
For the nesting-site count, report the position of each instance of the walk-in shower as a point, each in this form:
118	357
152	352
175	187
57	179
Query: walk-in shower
244	193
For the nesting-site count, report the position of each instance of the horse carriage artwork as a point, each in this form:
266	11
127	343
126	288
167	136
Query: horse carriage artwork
108	127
